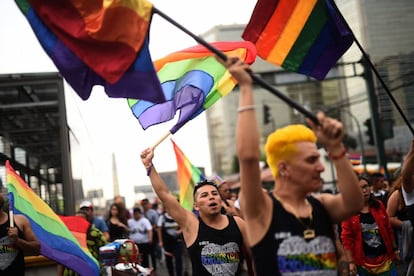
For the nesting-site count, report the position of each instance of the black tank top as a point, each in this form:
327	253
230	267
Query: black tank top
217	252
401	214
410	215
11	258
284	251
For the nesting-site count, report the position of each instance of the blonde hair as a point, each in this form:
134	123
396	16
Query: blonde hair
281	144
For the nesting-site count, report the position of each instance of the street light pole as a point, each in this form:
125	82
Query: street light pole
361	141
375	121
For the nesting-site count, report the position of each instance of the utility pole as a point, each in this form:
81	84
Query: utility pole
361	140
375	120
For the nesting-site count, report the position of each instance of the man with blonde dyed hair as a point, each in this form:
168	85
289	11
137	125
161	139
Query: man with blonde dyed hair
290	231
281	144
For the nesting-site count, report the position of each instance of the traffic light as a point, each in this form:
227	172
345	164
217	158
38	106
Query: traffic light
266	114
369	132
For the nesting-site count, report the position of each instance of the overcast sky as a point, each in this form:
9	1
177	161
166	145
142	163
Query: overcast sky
105	126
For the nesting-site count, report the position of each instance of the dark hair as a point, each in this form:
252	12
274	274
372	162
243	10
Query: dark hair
372	201
145	201
2	202
204	183
121	212
366	178
137	210
377	175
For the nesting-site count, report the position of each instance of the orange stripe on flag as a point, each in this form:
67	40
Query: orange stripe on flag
292	31
274	28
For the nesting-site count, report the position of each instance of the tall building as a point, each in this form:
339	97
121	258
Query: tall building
272	112
383	28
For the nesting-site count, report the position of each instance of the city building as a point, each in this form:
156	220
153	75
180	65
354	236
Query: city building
272	112
383	28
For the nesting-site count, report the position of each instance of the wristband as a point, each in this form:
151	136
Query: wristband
339	155
149	169
245	108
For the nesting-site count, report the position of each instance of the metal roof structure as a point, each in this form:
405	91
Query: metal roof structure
33	128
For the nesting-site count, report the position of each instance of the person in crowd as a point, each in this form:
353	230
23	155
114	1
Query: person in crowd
141	233
171	240
407	173
16	242
228	204
378	187
401	225
214	241
87	208
342	261
119	200
290	230
94	240
117	222
368	238
387	186
152	215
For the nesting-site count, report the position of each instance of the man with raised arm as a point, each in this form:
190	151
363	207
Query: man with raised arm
290	230
214	241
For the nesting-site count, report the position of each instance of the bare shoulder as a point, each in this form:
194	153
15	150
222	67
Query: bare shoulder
190	228
395	195
324	198
21	219
329	201
22	222
239	221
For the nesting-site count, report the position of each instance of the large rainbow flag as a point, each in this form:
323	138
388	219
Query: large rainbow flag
78	226
192	80
304	36
56	241
98	42
188	176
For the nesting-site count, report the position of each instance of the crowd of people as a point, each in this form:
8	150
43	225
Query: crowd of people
295	229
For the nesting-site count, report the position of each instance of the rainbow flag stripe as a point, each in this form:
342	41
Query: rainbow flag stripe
355	159
78	226
56	241
304	36
192	80
89	44
188	176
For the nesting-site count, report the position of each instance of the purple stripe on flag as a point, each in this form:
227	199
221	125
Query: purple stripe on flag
140	81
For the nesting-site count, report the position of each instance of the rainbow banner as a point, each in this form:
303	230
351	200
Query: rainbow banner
78	226
355	159
56	241
304	36
188	176
192	80
98	42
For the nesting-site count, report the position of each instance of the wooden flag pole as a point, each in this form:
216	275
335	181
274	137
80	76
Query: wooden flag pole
11	216
255	78
161	139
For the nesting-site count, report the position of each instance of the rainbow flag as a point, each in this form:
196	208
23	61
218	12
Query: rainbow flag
98	42
304	36
355	159
188	176
192	80
78	226
56	241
